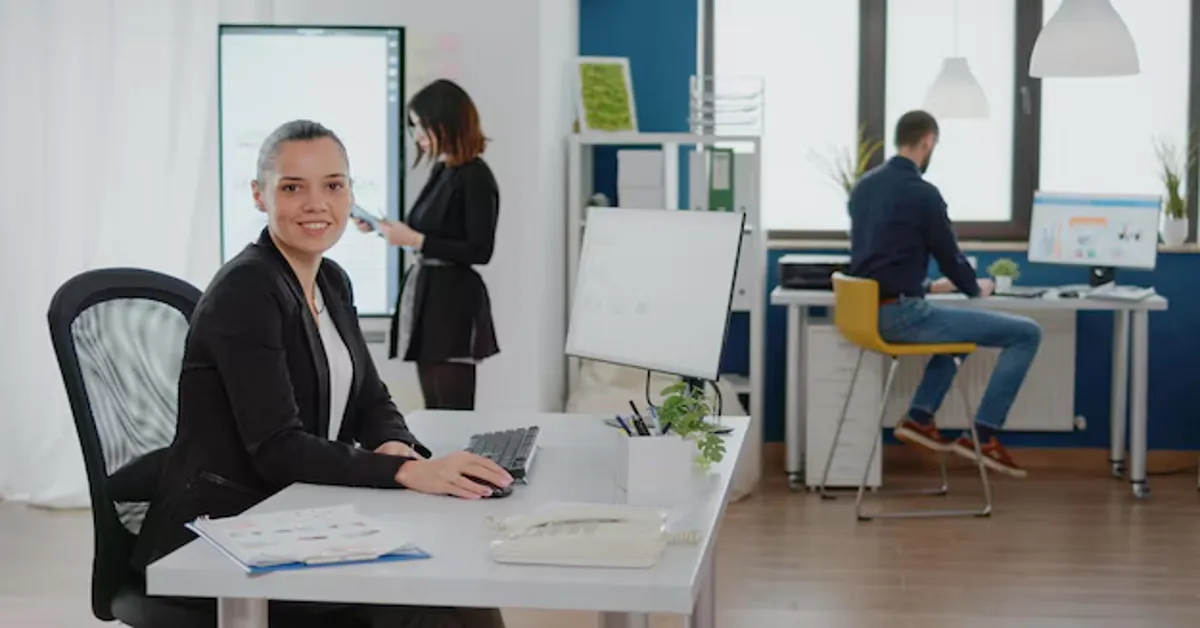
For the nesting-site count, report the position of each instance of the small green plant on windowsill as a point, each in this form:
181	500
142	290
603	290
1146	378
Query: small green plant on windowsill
684	410
1173	167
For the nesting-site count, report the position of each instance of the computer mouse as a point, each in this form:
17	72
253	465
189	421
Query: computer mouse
497	491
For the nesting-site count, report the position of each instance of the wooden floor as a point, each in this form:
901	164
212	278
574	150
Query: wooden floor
1058	552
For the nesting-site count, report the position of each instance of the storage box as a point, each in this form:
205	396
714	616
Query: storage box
655	470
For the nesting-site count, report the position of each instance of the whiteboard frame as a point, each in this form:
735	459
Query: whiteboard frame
711	375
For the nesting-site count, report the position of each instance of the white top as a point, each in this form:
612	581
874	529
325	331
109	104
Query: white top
577	463
341	367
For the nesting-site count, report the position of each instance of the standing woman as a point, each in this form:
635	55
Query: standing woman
443	318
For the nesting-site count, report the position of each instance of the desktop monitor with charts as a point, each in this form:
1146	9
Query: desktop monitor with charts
1101	231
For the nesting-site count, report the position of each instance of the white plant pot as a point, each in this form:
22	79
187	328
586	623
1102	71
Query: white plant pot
1174	230
1003	283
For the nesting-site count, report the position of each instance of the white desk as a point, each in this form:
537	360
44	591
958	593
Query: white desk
575	463
1130	356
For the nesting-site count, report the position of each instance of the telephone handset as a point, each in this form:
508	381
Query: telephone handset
597	535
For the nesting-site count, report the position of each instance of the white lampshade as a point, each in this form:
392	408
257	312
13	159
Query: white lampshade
955	93
1085	38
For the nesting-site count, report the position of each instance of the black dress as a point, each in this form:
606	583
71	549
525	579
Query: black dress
448	316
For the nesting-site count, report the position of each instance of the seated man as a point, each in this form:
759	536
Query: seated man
898	220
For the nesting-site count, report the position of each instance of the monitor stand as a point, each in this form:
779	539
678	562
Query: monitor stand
1101	275
695	383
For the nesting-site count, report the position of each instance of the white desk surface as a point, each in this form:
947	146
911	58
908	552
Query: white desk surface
824	298
576	462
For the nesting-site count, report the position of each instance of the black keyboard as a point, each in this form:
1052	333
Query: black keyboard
1025	292
511	449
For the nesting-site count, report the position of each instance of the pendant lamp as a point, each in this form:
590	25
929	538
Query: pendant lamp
1084	38
955	93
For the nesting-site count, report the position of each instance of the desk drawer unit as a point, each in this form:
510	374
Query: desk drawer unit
829	363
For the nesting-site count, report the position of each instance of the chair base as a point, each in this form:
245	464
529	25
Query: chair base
985	510
924	514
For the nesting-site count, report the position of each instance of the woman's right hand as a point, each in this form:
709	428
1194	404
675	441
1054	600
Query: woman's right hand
362	226
447	475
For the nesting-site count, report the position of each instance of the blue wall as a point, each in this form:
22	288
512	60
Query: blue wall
659	37
1174	403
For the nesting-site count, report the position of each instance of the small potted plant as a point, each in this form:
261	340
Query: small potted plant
686	411
1173	171
1004	271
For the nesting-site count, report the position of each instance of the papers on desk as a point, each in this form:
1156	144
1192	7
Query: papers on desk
298	539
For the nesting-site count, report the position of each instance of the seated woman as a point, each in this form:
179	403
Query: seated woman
277	386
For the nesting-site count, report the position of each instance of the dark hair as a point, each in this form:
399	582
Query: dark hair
447	113
913	127
294	131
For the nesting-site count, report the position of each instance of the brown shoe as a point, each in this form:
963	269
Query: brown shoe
925	435
995	456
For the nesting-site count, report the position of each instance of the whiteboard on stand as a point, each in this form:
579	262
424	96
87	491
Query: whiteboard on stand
654	289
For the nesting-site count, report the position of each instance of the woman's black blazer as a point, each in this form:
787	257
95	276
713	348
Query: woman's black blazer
254	400
457	212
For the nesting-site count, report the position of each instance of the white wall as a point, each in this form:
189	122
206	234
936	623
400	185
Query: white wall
513	60
558	44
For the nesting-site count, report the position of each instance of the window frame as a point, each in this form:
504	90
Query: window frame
1027	115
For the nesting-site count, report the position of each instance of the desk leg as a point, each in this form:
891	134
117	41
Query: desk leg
624	620
1120	400
1137	412
704	610
794	393
241	613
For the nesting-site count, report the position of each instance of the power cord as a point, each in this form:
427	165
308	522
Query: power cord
703	383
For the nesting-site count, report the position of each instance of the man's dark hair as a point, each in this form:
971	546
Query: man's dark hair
294	131
913	127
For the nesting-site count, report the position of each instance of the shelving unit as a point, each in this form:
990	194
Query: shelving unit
750	288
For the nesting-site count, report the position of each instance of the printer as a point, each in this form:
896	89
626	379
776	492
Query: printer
810	272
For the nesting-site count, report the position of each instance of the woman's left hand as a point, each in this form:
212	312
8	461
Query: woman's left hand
400	234
397	448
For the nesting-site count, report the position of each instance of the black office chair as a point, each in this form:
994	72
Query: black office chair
119	335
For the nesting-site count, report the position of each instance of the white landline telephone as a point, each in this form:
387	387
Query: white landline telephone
599	535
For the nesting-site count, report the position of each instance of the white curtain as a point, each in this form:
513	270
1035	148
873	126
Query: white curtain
107	158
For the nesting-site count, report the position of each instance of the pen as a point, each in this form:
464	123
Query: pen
638	423
625	427
663	427
654	421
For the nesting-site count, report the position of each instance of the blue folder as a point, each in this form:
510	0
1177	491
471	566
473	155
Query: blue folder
404	555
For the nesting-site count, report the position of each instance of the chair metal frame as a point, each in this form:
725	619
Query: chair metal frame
894	363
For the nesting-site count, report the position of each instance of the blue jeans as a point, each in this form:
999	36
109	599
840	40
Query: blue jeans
915	320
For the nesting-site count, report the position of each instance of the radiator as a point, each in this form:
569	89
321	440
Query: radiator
1046	402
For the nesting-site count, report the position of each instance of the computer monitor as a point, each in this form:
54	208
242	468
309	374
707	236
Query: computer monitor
1100	231
654	289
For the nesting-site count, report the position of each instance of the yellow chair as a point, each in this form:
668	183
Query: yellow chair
856	315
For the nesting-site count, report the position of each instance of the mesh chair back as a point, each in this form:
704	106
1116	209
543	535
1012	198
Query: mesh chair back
119	336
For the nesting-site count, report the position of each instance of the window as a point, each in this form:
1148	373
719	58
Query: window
1098	135
807	54
973	162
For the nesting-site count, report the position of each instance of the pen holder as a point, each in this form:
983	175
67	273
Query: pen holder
655	470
